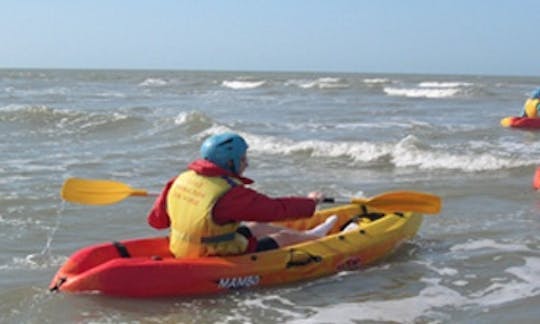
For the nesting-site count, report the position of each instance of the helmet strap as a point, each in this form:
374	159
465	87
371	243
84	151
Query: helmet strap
232	166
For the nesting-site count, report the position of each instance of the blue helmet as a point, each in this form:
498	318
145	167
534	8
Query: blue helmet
536	94
222	148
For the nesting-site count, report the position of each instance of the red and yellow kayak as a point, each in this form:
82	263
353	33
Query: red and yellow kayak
521	122
145	268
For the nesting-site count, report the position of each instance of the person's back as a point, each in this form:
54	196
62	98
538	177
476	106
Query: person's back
194	233
532	105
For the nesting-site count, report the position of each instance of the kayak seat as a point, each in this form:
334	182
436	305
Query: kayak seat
372	216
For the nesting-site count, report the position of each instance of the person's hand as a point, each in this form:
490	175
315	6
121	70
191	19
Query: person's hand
316	195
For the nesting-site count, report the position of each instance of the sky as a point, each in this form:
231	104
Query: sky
473	37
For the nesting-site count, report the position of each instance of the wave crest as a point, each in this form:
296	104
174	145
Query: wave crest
45	119
431	89
319	83
242	84
406	153
153	82
421	93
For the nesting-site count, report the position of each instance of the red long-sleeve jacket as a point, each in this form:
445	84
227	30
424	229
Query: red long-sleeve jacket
238	204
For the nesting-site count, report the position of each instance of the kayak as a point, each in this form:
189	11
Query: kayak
521	122
536	179
144	267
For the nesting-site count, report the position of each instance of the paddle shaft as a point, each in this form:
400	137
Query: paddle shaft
104	192
331	200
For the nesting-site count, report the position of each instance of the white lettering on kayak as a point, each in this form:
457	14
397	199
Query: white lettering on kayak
238	282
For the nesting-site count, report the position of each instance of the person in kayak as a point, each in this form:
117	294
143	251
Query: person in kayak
532	105
205	205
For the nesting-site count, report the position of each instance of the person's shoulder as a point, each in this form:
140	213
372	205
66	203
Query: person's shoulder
244	180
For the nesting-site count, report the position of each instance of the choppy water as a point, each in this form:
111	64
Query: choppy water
345	134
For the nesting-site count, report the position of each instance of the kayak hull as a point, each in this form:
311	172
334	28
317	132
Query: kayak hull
521	122
145	267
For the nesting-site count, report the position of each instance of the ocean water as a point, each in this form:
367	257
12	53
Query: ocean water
347	135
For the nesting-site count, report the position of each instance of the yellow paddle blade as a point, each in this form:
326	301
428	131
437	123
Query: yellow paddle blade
405	201
97	192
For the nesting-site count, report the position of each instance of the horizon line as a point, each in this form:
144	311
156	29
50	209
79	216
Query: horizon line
261	71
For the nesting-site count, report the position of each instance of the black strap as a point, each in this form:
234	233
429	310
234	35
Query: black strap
122	250
229	181
218	238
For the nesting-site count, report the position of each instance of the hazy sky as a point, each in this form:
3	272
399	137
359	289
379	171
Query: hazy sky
499	37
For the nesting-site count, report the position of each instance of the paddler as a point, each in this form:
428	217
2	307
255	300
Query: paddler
211	211
532	105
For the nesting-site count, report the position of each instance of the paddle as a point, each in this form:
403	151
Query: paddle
98	192
413	201
104	192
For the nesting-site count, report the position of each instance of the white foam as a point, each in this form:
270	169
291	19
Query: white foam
408	152
429	84
360	152
153	82
460	283
329	80
10	107
429	89
17	107
17	222
526	285
399	310
378	124
376	81
530	272
268	302
320	83
111	94
304	84
242	85
442	271
408	309
68	121
95	120
184	118
421	92
54	91
34	261
472	245
441	160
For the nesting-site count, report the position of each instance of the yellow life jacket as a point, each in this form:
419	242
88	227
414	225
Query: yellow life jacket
193	232
531	107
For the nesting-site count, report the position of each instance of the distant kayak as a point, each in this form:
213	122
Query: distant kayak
145	267
521	122
536	179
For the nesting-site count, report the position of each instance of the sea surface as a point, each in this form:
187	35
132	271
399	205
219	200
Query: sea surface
347	135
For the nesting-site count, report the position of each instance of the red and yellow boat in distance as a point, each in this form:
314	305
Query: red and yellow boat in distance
536	179
521	122
145	267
